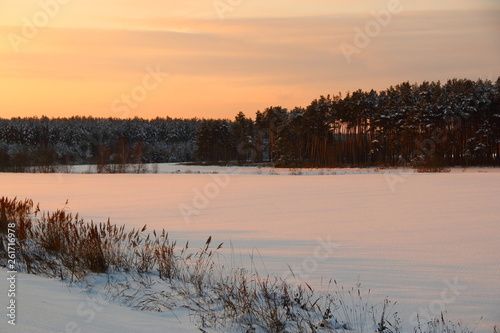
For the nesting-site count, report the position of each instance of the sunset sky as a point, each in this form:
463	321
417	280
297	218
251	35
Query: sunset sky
214	58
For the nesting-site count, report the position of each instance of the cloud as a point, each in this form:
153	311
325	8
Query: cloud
250	60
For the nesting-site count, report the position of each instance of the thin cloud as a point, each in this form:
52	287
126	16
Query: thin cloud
250	60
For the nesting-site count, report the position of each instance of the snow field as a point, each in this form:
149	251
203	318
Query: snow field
430	242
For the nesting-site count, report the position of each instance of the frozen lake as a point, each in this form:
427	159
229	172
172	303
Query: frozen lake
431	242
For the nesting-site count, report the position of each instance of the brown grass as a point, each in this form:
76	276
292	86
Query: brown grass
62	244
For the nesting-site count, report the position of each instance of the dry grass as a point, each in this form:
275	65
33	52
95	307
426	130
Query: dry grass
426	169
63	245
441	325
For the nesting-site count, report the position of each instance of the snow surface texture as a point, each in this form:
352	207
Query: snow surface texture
431	242
49	306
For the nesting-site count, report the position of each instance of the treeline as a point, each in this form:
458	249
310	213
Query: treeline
429	124
40	144
421	125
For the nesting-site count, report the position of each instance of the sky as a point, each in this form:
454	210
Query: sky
215	58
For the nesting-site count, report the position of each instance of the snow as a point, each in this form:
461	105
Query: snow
411	237
49	306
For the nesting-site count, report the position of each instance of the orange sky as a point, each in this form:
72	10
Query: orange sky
213	58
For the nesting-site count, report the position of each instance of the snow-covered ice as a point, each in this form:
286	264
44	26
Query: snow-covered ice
431	242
